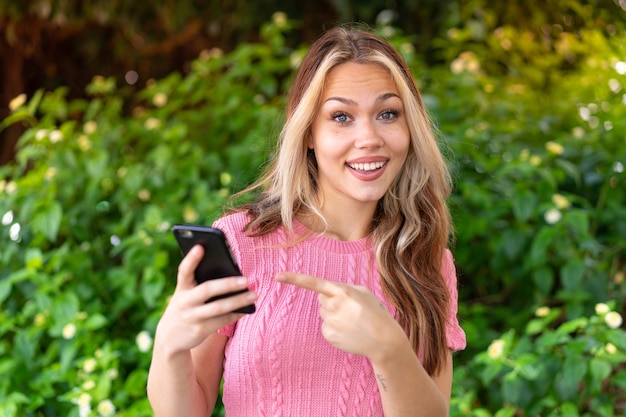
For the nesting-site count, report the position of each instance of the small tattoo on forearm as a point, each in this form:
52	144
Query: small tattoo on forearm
381	380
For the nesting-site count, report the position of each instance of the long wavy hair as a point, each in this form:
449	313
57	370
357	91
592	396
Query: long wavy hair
411	227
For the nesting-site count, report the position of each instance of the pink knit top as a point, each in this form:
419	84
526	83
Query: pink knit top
277	363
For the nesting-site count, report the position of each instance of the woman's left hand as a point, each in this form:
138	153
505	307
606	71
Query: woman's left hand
353	319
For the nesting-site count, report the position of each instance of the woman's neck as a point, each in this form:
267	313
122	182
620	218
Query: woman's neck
346	225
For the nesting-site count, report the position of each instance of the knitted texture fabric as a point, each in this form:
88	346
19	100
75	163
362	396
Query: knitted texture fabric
277	363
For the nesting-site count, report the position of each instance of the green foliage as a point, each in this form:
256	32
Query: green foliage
88	261
553	368
87	258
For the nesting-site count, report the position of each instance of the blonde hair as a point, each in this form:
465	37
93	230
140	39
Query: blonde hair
411	227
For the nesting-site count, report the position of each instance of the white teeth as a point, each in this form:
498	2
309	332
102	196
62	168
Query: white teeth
370	166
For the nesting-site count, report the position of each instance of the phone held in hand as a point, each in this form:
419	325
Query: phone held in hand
218	260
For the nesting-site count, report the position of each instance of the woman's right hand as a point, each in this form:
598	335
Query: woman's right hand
188	318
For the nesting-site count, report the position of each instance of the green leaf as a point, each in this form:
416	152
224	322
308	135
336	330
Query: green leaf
569	379
5	289
573	326
529	366
18	116
544	280
505	412
24	347
135	384
569	409
600	369
619	379
579	221
539	248
535	326
524	204
512	388
572	274
513	242
95	321
33	259
49	221
68	353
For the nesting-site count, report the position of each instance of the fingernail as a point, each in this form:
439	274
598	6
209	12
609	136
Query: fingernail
241	281
281	277
252	296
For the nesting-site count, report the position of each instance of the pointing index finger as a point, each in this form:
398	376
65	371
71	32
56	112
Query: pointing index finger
319	285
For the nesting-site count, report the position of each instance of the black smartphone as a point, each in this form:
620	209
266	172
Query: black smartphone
218	260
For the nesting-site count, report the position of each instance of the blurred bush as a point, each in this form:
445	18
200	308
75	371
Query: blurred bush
88	262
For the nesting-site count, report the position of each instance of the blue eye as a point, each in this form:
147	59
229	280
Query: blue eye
340	117
389	114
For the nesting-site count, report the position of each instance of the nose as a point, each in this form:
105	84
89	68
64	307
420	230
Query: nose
368	136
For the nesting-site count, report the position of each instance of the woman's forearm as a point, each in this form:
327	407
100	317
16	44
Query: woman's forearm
405	387
173	389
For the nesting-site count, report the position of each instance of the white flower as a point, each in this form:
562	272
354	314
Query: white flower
466	61
84	404
89	365
560	201
40	319
554	148
69	330
535	160
190	214
542	311
613	319
50	173
295	59
84	399
89	385
7	219
152	123
17	102
159	99
144	195
144	341
602	308
11	187
407	48
216	53
90	127
610	348
84	143
279	19
106	408
84	410
496	348
552	216
578	132
41	133
56	136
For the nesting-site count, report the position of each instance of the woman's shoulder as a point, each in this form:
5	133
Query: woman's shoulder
233	222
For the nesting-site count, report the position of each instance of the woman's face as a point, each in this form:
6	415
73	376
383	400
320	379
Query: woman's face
360	136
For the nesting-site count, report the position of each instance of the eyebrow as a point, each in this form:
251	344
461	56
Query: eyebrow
381	98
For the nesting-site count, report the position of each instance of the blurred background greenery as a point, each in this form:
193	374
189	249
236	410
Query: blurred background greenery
120	119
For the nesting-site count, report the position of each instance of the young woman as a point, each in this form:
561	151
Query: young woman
344	251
